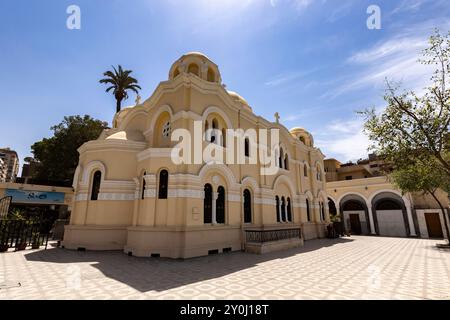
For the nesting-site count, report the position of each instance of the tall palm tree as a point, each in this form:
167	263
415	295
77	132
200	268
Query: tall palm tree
121	82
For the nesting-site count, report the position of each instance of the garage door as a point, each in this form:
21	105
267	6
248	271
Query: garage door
391	223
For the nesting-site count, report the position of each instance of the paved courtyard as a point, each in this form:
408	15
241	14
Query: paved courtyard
348	268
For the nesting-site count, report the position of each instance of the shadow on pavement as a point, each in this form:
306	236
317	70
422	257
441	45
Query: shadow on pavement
159	274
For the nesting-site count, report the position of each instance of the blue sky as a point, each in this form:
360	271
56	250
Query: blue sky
315	62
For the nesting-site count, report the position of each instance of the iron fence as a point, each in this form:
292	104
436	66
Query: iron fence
20	234
262	236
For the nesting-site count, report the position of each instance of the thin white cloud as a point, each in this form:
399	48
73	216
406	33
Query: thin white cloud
299	5
344	140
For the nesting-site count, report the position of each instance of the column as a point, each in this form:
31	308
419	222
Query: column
412	230
215	195
371	223
316	211
279	211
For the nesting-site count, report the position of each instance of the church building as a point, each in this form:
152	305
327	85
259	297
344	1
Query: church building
130	195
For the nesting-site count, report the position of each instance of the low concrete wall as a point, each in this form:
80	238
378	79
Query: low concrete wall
260	248
182	243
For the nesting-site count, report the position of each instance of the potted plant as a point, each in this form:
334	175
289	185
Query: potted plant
21	243
35	243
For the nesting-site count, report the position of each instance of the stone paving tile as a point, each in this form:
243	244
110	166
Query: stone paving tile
348	268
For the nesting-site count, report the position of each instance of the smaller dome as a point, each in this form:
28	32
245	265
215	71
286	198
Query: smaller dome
298	129
133	135
303	135
238	97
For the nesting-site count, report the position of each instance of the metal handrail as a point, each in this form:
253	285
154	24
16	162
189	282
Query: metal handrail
261	236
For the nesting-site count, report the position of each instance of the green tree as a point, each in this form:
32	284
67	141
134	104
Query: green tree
425	178
120	81
416	128
58	156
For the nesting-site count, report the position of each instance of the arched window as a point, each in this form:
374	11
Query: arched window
224	134
319	173
277	200
247	206
322	211
143	186
247	147
289	210
286	162
220	205
283	209
213	133
302	139
305	170
96	181
210	75
280	159
193	68
163	181
207	204
308	214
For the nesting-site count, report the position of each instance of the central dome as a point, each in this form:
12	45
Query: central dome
196	64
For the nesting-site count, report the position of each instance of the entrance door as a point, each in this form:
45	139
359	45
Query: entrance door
355	224
433	225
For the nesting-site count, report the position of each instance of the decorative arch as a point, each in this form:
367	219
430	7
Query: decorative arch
194	69
160	110
309	195
130	116
220	168
214	109
284	179
250	182
322	195
338	203
396	192
286	150
90	168
211	75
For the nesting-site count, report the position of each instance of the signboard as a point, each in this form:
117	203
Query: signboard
26	196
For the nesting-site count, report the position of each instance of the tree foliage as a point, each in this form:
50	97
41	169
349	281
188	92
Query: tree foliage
415	127
58	156
120	81
425	178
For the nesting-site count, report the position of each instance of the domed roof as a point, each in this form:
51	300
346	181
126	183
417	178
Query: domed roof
298	129
133	135
237	96
196	53
201	65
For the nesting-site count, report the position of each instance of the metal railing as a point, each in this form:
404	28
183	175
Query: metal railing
262	236
20	234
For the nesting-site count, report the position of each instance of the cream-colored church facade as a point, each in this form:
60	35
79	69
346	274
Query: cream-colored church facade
131	196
